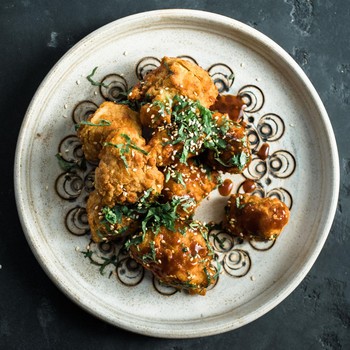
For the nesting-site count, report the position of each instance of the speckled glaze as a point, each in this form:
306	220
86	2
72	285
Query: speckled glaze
308	139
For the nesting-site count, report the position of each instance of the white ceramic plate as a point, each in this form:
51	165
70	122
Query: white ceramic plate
302	170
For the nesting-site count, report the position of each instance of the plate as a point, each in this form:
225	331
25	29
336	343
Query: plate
283	109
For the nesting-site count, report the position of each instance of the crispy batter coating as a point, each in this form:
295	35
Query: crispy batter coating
237	154
126	170
93	137
189	181
162	152
255	217
182	259
101	229
175	76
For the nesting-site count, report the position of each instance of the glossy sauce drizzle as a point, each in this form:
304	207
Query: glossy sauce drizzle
230	104
226	187
264	150
248	186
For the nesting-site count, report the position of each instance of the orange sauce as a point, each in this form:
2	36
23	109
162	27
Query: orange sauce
264	150
249	186
230	104
226	187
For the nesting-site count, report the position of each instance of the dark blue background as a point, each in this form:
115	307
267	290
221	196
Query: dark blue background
34	314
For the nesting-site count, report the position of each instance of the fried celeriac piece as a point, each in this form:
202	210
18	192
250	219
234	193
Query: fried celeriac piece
192	181
250	216
126	170
104	223
181	258
106	119
174	76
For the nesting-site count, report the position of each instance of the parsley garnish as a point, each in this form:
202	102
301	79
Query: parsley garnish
93	82
152	216
107	261
176	175
102	122
164	108
67	166
124	148
238	160
195	127
151	256
238	203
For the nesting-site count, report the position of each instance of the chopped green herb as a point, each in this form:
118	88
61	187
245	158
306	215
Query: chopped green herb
194	127
176	175
238	160
107	261
218	270
102	122
153	216
130	144
112	216
70	165
238	203
164	108
207	274
135	240
167	176
93	82
125	148
151	256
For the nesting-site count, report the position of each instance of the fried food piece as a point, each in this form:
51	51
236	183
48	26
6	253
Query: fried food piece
107	118
255	217
192	181
162	151
174	76
126	170
181	258
102	220
236	156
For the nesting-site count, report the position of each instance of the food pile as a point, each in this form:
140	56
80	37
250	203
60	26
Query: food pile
159	154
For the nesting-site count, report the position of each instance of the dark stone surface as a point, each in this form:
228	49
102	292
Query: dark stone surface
34	314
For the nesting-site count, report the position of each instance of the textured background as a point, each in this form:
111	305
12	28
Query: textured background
34	313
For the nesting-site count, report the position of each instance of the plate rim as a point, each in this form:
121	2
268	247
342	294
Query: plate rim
277	50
